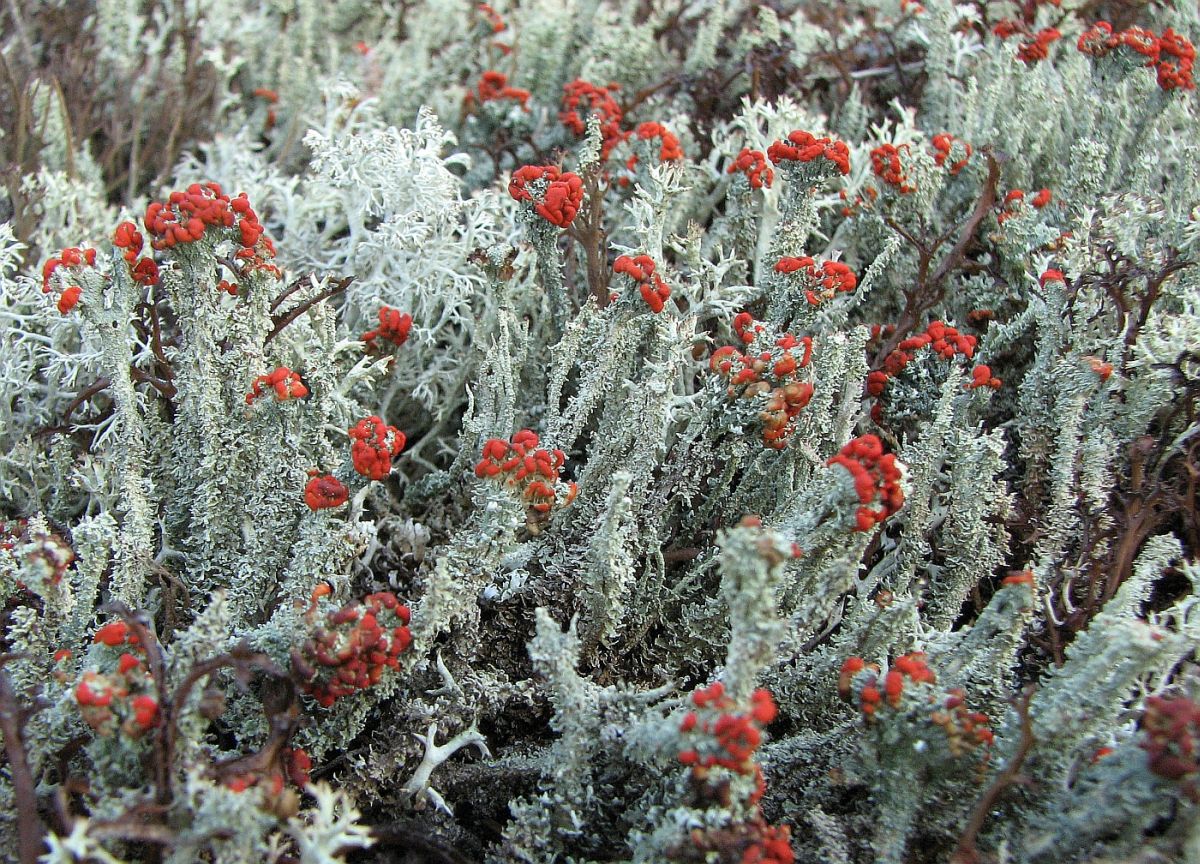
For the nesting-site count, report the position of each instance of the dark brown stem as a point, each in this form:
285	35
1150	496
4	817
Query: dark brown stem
281	321
590	235
297	283
30	830
930	289
87	393
967	852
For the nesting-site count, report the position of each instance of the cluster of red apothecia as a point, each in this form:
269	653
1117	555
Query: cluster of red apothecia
295	768
44	548
394	327
1172	55
282	383
1014	198
735	736
123	700
804	147
493	86
753	163
669	149
876	480
185	216
358	643
1035	47
561	199
581	98
67	258
885	162
727	738
495	24
492	17
851	208
324	491
965	729
886	165
754	841
828	280
651	286
981	376
532	469
786	396
143	270
942	145
1172	728
945	341
375	445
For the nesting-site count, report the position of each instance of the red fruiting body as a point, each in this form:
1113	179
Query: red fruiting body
1023	577
1176	58
981	376
1006	27
493	87
670	151
283	383
560	199
1172	55
753	163
944	340
965	730
581	98
524	465
324	492
851	667
68	258
394	327
785	397
112	634
127	237
375	445
885	162
297	763
1097	40
358	644
1102	369
1172	743
832	278
126	662
942	144
92	690
185	217
736	735
801	146
68	299
145	711
650	285
120	700
1041	199
1038	48
1051	276
492	17
876	480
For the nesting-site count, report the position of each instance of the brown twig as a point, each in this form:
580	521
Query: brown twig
592	238
13	716
931	289
967	852
97	386
281	321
